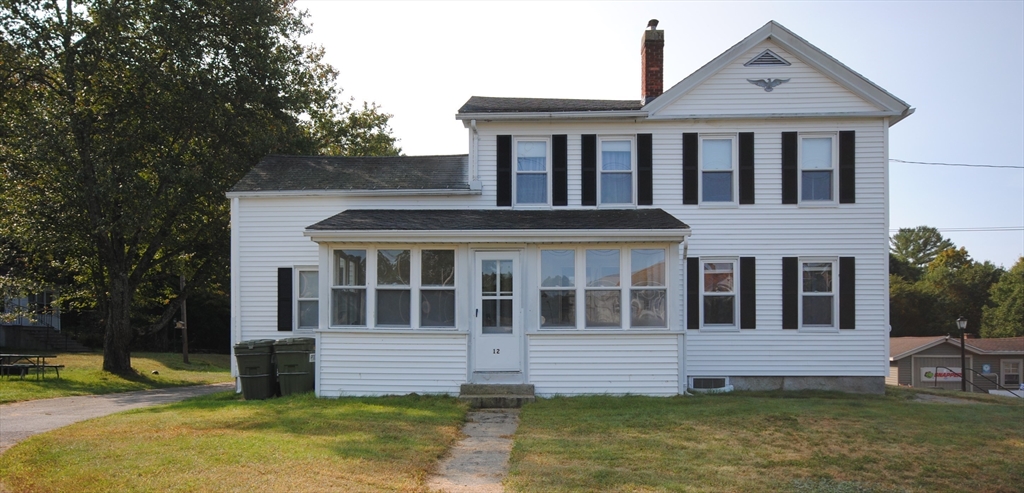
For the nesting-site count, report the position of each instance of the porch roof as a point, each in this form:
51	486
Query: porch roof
478	225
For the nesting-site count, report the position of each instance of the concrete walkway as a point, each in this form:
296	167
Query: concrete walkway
21	420
479	462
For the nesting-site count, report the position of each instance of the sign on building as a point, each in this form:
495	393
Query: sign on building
931	374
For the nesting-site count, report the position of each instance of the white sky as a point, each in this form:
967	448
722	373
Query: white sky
960	64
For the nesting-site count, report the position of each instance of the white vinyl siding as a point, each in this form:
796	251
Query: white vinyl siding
604	364
728	92
359	364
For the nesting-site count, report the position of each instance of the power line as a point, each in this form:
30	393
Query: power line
957	164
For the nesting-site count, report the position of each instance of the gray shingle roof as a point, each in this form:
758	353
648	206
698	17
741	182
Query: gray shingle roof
480	104
499	219
281	173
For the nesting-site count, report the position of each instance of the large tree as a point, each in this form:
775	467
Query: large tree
1005	318
122	124
918	246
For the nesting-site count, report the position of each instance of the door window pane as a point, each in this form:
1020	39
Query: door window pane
497	316
505	286
489	277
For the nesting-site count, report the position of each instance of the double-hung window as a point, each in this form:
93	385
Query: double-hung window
558	288
603	295
718	169
403	288
308	299
1010	370
817	168
394	289
719	290
348	293
649	294
532	168
617	163
817	293
437	288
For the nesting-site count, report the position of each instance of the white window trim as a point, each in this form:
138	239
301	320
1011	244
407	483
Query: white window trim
733	138
1002	371
515	171
735	326
834	327
296	276
800	169
625	287
415	287
632	171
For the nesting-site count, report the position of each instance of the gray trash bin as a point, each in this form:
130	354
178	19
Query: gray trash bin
295	358
256	368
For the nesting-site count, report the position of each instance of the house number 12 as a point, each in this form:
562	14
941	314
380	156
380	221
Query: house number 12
496	351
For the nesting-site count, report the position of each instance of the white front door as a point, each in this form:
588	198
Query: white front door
497	316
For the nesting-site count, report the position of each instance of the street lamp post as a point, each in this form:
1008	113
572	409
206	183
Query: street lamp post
962	324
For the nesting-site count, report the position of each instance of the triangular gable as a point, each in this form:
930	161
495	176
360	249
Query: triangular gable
709	92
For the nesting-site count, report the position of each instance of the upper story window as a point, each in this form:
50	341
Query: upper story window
308	299
532	168
718	169
616	171
817	168
817	293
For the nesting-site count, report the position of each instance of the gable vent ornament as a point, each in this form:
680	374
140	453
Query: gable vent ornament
766	58
767	84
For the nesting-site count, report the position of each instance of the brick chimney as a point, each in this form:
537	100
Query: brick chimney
652	47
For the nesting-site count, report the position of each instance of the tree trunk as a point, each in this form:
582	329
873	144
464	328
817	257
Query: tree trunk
118	337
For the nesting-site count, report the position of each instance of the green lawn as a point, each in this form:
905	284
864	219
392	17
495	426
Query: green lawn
222	443
83	375
802	442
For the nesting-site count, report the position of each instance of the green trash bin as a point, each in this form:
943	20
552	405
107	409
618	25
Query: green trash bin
256	368
295	358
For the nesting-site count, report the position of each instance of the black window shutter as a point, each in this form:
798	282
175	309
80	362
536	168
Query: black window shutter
748	293
644	169
693	293
790	278
504	170
589	162
847	292
559	170
789	168
284	298
746	156
847	167
690	169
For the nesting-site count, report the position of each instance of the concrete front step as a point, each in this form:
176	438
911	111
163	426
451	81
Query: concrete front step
496	395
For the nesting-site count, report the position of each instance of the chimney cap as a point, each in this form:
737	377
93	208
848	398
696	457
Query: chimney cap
653	23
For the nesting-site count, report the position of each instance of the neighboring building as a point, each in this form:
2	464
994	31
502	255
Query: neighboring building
732	230
29	322
935	362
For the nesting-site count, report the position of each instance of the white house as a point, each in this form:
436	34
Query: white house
732	230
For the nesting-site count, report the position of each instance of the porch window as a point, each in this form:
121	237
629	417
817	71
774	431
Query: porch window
558	288
437	288
648	296
603	296
348	294
393	288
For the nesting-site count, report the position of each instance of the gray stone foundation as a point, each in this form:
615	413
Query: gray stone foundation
857	385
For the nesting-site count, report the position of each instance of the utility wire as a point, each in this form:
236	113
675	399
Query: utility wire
957	164
977	229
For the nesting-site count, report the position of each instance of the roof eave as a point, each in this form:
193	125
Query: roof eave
552	115
352	193
500	236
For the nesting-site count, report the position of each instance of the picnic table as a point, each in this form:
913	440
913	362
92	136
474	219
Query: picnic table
11	363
